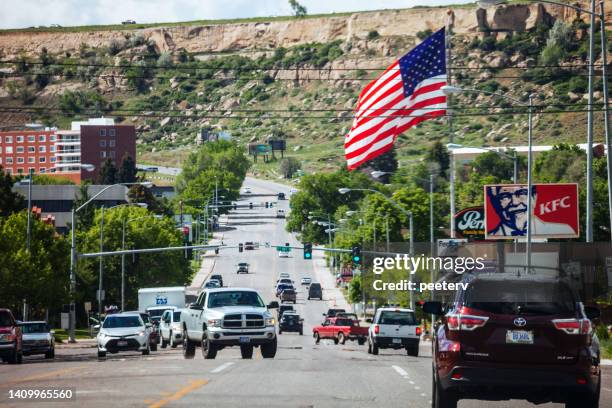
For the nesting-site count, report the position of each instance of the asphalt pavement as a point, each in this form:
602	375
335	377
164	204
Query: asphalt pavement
302	374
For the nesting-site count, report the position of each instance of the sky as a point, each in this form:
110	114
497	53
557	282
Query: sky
27	13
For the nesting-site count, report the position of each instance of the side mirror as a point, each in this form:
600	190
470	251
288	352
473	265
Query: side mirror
324	314
368	320
434	308
592	312
195	306
273	305
97	327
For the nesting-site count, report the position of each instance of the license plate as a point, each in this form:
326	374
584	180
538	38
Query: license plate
245	339
397	341
519	337
122	343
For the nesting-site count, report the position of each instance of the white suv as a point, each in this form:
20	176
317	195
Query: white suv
170	329
394	328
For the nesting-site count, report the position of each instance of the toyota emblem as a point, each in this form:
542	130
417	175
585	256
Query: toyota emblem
520	322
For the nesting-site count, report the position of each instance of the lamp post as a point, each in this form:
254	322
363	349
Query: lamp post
88	167
456	90
30	181
589	176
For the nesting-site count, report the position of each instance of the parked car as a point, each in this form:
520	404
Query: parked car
340	330
37	338
217	277
505	337
281	287
247	190
394	328
126	22
123	332
315	291
170	329
11	342
281	196
291	322
282	309
249	245
288	295
242	267
306	281
151	327
333	312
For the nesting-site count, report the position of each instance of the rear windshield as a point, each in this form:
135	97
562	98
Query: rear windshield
289	292
5	319
112	322
315	286
524	297
290	317
397	318
344	322
35	328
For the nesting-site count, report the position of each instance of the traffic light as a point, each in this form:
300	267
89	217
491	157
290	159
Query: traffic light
235	206
240	247
307	250
356	254
267	205
250	206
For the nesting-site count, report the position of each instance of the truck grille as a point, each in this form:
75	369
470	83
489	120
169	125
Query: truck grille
243	320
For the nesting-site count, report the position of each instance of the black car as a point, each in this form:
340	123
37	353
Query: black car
284	308
334	312
291	322
217	277
281	196
315	291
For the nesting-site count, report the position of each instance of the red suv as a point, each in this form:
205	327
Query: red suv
10	338
512	337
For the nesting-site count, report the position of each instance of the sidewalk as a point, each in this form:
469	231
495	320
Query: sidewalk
80	343
331	294
209	259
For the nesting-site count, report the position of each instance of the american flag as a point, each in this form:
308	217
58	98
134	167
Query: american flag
406	94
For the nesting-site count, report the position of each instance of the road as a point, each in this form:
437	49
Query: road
302	374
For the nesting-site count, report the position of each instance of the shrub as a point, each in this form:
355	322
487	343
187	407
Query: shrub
372	35
421	35
115	47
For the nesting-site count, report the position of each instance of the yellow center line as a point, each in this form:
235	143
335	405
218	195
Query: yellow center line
45	376
180	393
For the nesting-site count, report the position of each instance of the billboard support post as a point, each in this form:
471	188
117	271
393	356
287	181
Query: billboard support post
529	184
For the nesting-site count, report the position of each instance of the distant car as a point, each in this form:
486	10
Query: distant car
280	213
315	291
281	287
217	277
333	312
306	281
242	267
152	169
248	246
283	275
284	281
340	330
247	190
288	295
211	284
11	343
37	339
170	329
282	309
283	254
123	332
126	22
291	322
394	328
281	196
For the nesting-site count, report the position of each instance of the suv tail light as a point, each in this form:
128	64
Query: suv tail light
376	329
418	331
465	322
573	326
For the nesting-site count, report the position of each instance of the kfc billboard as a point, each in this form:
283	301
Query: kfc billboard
554	209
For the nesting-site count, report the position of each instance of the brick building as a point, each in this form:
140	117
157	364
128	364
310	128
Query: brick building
61	152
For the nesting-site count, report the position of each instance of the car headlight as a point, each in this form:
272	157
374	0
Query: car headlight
270	321
214	322
142	333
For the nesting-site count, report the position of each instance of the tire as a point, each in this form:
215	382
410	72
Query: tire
369	348
308	297
147	351
341	338
164	343
280	331
209	351
413	351
101	354
361	341
301	332
246	351
441	398
188	347
173	344
268	350
317	338
588	401
374	349
16	358
50	354
335	340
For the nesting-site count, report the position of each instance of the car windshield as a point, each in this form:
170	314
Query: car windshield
289	317
242	264
5	319
520	297
113	322
397	318
285	308
35	328
176	316
234	298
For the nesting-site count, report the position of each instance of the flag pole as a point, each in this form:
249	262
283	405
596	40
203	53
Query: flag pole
449	117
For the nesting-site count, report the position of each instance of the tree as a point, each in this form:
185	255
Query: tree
85	216
108	172
10	202
141	194
298	9
438	154
289	166
127	170
386	162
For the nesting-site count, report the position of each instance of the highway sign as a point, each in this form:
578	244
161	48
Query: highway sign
283	249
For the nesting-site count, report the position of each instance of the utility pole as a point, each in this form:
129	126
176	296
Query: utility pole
589	175
101	266
604	74
122	266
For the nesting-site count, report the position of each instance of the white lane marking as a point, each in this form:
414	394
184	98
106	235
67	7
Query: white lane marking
221	368
416	387
400	371
411	382
423	394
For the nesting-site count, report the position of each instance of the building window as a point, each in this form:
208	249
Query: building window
31	159
8	150
20	170
0	150
112	154
20	160
42	149
0	139
111	143
52	149
0	160
31	149
52	138
19	139
52	159
9	139
42	159
31	138
42	138
9	160
9	170
31	169
103	154
19	149
111	132
102	143
42	170
102	132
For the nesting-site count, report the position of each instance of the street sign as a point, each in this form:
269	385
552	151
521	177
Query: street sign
283	249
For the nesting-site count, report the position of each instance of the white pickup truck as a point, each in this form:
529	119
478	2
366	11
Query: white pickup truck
226	317
394	328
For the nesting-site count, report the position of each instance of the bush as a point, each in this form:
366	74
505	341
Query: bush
578	84
421	35
552	55
602	332
372	35
115	47
489	43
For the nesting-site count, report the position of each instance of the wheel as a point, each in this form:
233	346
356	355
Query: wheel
280	331
361	341
317	338
173	343
413	351
369	348
441	398
246	351
301	332
268	350
188	347
50	354
374	349
341	338
147	351
101	354
308	297
586	401
209	351
16	358
164	343
335	340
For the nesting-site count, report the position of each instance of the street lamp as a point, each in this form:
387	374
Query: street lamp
451	90
514	158
602	17
88	167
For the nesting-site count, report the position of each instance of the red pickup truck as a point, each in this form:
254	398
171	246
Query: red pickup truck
10	338
340	329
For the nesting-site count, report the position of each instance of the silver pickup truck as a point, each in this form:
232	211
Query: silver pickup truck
226	317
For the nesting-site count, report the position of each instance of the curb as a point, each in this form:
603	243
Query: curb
606	362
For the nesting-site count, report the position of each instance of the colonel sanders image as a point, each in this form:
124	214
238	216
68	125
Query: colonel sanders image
510	204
